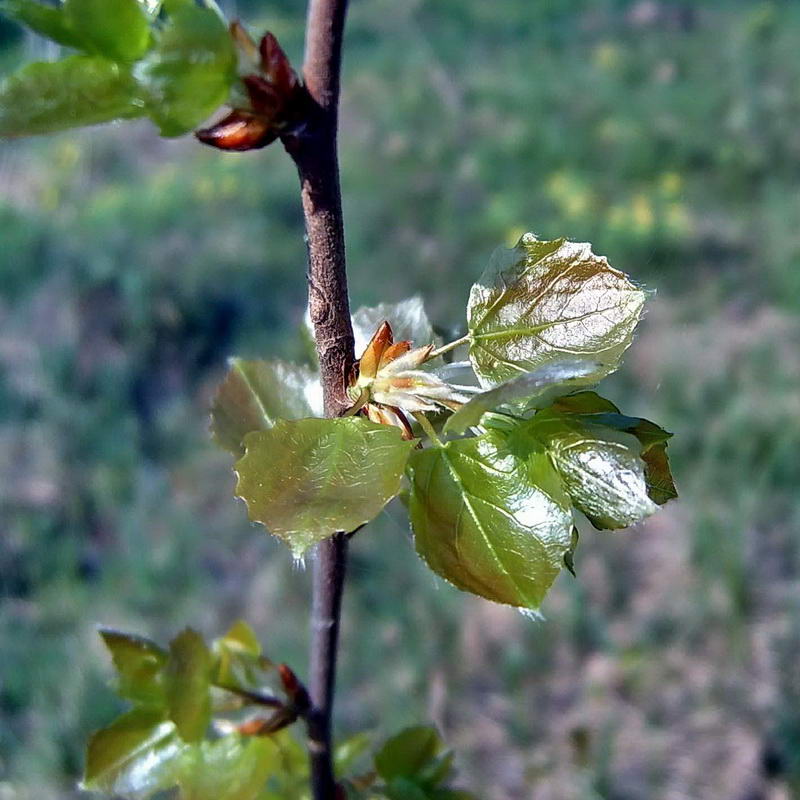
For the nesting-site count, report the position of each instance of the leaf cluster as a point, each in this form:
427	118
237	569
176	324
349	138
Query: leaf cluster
197	726
501	451
173	61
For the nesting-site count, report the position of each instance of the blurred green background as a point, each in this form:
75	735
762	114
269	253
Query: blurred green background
668	135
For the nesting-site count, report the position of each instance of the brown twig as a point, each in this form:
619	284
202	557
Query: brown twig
313	148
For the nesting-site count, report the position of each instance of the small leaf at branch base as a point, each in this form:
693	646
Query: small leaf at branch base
188	74
187	680
116	29
306	479
80	90
138	662
543	301
255	394
46	20
488	521
555	376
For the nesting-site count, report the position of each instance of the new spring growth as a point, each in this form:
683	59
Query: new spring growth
387	383
272	103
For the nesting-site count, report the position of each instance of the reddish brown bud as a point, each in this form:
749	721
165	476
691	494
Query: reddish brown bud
373	353
264	97
295	691
276	66
239	131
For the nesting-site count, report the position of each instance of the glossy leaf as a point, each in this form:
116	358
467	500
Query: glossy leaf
255	394
584	403
141	754
489	521
532	385
187	681
79	90
139	663
230	768
239	662
46	20
304	480
543	301
135	756
653	439
601	468
189	72
408	319
116	29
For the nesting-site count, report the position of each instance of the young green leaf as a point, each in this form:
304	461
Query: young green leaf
414	765
407	753
187	683
116	29
488	521
602	469
653	439
239	663
306	479
141	754
188	73
543	301
135	756
255	394
139	663
230	768
557	376
46	20
79	90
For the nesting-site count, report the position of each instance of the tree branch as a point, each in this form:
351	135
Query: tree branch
314	151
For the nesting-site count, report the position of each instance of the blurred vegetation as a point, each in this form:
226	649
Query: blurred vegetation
666	133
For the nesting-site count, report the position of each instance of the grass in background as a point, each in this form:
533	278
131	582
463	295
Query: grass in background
666	134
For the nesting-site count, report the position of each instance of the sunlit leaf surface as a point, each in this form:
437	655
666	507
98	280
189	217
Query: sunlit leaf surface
78	90
488	521
558	376
187	680
544	301
46	20
653	439
306	479
138	662
141	755
189	72
116	29
602	469
255	394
